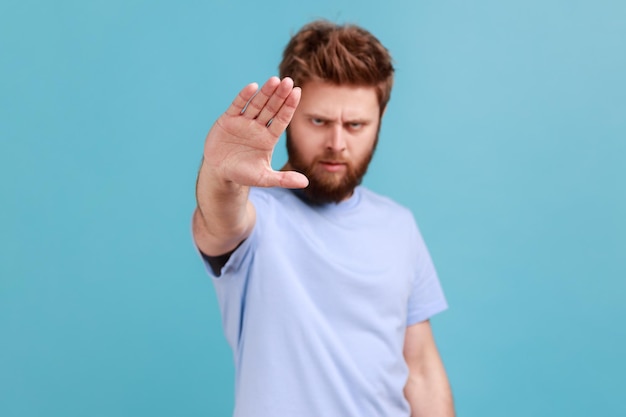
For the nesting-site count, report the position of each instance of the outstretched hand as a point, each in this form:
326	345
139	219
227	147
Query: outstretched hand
240	144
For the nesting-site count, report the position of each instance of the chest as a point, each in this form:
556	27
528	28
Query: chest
345	269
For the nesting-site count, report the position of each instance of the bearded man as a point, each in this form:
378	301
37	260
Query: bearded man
325	287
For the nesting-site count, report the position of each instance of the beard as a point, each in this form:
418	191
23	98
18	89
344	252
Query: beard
328	187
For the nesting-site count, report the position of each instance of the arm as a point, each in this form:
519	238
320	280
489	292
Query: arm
427	389
237	155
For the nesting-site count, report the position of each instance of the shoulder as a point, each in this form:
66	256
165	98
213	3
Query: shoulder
372	200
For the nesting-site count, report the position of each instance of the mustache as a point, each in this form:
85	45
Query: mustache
331	157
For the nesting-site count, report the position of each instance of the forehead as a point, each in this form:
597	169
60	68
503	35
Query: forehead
331	100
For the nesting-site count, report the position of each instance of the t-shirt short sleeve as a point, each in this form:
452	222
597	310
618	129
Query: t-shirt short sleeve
427	297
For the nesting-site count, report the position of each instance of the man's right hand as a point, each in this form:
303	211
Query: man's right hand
237	155
238	148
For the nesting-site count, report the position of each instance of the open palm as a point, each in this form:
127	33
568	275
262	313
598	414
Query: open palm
240	144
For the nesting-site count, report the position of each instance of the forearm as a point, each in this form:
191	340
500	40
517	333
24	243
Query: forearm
427	389
224	216
428	392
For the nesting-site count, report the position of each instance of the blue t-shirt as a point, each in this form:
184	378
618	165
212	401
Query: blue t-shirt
315	305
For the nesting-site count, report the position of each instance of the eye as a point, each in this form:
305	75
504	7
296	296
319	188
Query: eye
317	122
355	125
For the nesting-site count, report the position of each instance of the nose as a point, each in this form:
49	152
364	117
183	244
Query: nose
336	140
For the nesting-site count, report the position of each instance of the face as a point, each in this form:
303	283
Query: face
332	137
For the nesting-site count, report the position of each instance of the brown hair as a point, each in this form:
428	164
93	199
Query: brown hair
339	54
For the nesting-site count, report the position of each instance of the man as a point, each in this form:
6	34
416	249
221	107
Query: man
325	288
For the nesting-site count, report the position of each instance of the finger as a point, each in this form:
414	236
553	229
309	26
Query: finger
276	101
286	179
257	103
292	179
283	116
239	103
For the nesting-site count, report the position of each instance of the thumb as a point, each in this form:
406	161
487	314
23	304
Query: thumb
290	179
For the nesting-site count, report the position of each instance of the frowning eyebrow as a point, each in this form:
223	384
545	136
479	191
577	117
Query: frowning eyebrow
317	116
360	120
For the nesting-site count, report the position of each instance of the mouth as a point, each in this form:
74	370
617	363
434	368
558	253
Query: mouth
332	166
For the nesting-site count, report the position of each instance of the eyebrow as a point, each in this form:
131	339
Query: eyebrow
361	120
316	116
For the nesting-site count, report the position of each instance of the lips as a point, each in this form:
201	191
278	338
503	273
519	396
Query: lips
332	166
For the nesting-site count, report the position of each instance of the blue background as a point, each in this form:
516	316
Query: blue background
506	136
